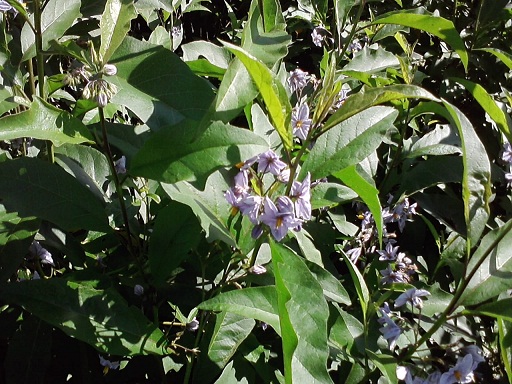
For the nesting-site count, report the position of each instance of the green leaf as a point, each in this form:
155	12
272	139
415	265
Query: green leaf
347	332
56	18
210	206
492	267
443	140
372	61
476	179
303	315
33	187
272	92
332	287
176	231
489	105
258	303
387	365
45	122
230	331
99	317
220	145
359	283
505	334
217	56
349	142
29	353
368	97
157	85
330	194
366	191
501	309
16	235
114	25
435	25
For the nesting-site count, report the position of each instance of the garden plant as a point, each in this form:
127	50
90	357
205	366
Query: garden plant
255	191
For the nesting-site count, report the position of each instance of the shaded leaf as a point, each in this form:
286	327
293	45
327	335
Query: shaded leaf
501	309
164	95
33	187
359	283
210	206
99	317
332	287
330	194
176	231
505	57
16	235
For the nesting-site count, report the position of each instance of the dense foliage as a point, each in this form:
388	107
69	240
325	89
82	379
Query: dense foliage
261	191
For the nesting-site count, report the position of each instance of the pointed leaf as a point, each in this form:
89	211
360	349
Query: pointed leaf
33	187
489	105
45	122
272	92
114	25
258	303
501	309
435	25
505	57
332	287
220	145
368	97
359	283
366	191
99	317
349	142
230	331
303	315
476	180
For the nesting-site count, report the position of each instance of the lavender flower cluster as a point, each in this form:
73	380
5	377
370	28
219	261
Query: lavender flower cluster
280	214
506	158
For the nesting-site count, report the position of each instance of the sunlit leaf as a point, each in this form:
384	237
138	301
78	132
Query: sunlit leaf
114	25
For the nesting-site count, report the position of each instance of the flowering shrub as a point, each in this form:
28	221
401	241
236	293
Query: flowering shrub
256	191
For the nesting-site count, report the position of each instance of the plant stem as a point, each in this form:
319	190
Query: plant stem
40	67
119	190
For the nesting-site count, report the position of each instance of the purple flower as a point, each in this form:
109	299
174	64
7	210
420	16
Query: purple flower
461	373
279	217
301	195
354	254
107	364
390	331
298	80
301	123
120	165
240	190
412	296
508	179
270	162
257	270
476	353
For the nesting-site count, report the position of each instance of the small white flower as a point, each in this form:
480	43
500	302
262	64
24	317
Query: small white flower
298	80
193	325
258	270
317	36
120	165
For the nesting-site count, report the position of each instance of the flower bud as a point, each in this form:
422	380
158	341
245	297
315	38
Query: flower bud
109	69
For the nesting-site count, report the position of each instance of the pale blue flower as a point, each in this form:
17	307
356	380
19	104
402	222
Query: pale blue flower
250	206
42	253
108	364
120	165
270	162
317	36
301	123
506	153
412	296
462	372
390	331
301	196
390	276
298	80
389	253
280	217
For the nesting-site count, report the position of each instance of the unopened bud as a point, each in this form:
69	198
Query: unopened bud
109	69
